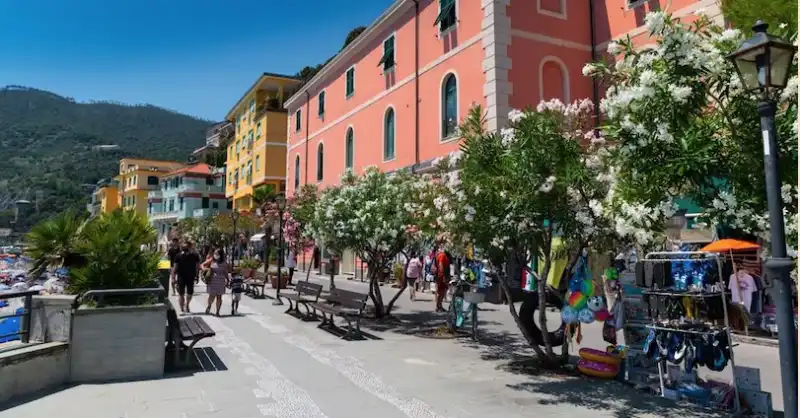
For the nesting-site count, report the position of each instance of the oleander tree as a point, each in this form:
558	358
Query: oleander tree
682	126
510	193
367	214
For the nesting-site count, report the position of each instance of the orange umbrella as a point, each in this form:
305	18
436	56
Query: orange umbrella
729	244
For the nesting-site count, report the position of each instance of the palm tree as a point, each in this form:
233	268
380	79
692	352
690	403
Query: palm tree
54	242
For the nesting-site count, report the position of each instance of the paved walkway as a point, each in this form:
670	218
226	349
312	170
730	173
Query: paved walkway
266	363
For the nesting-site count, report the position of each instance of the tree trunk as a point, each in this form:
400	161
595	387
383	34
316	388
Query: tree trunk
332	268
403	287
541	287
513	310
375	289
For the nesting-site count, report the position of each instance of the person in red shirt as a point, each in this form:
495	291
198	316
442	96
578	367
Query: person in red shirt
442	278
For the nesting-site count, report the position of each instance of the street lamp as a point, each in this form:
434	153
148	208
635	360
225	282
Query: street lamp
763	64
234	244
280	200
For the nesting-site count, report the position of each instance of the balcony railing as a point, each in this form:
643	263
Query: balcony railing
157	216
269	105
204	213
24	332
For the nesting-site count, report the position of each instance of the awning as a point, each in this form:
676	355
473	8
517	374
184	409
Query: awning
257	237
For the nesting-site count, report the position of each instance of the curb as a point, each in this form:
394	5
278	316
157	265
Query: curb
764	342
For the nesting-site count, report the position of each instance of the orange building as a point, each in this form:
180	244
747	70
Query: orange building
395	95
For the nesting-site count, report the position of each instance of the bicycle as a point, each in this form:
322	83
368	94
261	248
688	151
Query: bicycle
462	292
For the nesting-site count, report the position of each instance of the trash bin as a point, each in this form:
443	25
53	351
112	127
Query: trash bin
163	274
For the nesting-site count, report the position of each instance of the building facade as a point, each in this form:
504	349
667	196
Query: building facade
196	191
256	156
137	177
394	97
215	134
105	198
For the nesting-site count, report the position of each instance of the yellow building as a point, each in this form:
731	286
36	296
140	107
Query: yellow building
257	154
137	177
105	198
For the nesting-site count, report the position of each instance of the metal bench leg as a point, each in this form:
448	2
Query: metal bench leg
308	311
324	320
290	306
349	327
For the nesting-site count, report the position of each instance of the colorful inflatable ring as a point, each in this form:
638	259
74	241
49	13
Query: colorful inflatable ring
595	369
598	356
576	300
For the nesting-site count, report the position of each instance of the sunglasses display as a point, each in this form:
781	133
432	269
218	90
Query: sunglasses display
685	301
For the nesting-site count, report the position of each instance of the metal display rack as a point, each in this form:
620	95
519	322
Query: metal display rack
696	256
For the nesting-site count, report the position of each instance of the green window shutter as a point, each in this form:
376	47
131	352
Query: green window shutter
446	16
387	60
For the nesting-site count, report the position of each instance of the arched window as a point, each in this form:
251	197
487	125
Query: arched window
554	71
388	135
296	172
449	106
320	158
348	149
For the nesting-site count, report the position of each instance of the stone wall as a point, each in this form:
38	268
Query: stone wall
51	318
27	370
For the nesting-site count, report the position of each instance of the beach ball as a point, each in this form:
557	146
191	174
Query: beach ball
586	316
587	288
595	303
575	285
576	300
569	315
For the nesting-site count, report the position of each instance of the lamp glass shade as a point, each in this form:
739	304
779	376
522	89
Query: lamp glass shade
763	61
281	201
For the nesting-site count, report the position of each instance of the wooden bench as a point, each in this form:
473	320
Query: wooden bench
349	305
191	329
306	293
255	285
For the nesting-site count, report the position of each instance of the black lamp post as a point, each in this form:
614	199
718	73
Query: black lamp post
280	200
234	243
763	63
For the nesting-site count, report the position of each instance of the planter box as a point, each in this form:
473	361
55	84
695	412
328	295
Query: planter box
118	343
273	280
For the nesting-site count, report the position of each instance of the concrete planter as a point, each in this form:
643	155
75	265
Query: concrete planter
117	343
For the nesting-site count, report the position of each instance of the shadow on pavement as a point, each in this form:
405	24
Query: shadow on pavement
423	324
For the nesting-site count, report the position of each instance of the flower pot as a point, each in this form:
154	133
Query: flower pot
117	343
273	280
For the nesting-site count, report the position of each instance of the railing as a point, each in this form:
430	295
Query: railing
202	213
98	296
268	106
164	215
24	332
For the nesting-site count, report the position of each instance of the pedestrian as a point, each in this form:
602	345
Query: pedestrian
442	278
237	288
172	252
291	264
185	267
218	276
413	272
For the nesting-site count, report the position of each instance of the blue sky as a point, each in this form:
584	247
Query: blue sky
197	57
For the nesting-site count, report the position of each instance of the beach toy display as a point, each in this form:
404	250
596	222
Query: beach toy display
582	305
600	364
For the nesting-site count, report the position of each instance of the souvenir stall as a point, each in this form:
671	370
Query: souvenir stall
752	310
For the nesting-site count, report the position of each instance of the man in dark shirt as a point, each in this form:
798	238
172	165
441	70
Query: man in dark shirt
172	252
185	268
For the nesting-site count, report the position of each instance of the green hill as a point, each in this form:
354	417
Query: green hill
50	145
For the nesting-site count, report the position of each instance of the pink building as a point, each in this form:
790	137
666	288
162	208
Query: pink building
394	97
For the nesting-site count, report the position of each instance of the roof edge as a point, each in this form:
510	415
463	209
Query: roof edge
229	115
387	17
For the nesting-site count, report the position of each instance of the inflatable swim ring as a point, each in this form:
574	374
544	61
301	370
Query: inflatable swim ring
595	369
598	356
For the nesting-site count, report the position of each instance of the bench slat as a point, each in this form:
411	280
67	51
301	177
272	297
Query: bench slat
204	327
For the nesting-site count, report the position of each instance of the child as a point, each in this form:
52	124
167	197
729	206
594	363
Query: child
237	287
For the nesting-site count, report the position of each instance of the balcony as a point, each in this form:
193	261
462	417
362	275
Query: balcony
204	213
269	105
154	194
161	216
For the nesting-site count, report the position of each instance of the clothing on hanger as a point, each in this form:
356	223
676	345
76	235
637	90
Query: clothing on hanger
742	286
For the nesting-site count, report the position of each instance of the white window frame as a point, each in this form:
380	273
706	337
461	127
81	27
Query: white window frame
442	138
442	33
346	95
383	130
324	95
394	52
564	73
346	131
557	15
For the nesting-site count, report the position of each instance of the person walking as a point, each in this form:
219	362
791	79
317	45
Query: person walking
237	288
413	273
218	276
442	264
185	269
172	252
290	263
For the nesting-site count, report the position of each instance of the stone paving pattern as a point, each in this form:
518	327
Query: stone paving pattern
266	363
